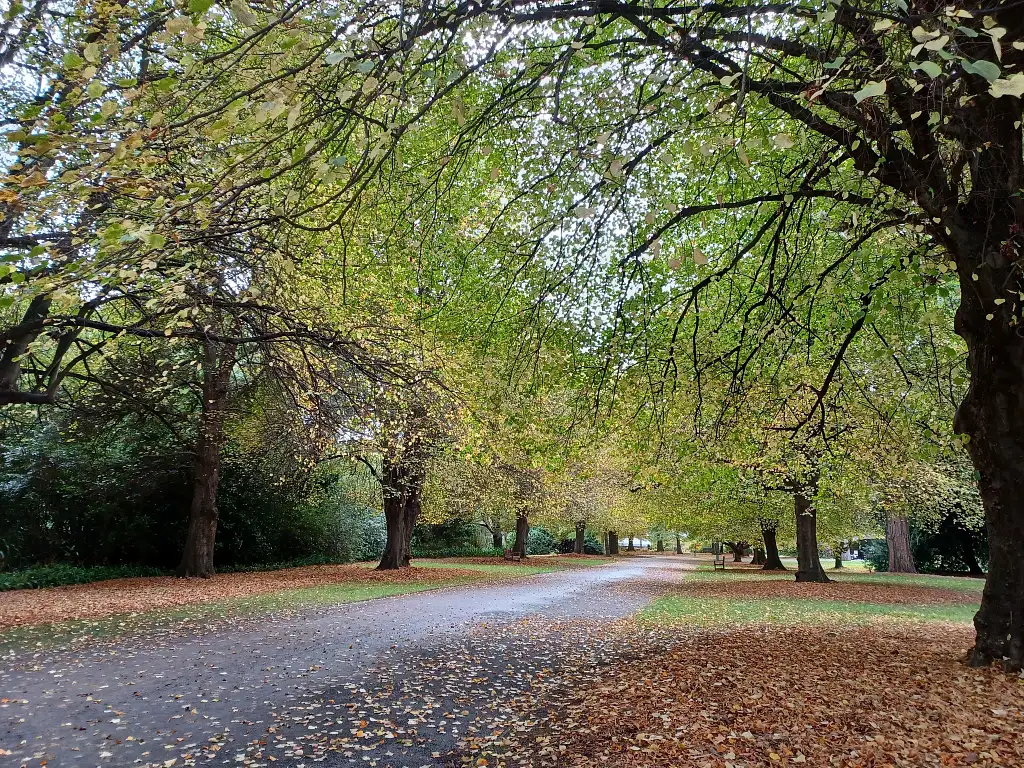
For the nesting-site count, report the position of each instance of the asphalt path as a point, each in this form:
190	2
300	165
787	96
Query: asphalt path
399	682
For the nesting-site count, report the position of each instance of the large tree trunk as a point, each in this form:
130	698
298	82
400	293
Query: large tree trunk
613	543
402	485
629	546
197	558
738	548
897	537
808	564
522	534
772	561
759	557
12	350
679	545
985	236
661	543
497	539
580	542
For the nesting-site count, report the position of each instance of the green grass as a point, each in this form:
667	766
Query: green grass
710	611
180	619
704	612
500	570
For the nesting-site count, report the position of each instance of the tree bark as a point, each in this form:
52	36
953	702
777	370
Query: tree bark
613	543
630	547
738	548
808	563
579	544
679	545
11	351
772	561
497	539
839	559
661	543
402	485
197	557
522	534
759	557
897	537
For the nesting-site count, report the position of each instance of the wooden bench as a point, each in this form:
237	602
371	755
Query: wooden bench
515	557
719	561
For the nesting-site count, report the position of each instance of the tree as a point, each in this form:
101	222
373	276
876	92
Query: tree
865	96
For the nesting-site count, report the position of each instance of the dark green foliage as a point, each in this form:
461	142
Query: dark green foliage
450	535
457	552
951	548
876	554
591	546
540	542
59	575
121	496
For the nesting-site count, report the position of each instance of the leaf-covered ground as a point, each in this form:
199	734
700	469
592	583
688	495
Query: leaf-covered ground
866	672
310	584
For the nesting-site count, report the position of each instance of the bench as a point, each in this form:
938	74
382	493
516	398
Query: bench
515	557
719	561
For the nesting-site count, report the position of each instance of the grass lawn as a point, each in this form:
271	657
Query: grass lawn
738	597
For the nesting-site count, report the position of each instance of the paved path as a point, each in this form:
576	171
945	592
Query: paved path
401	681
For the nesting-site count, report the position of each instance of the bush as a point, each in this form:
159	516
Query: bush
60	575
540	542
449	535
591	546
457	552
876	554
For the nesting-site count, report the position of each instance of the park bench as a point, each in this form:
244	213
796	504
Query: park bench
515	557
719	561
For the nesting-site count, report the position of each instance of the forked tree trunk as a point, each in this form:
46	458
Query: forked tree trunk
579	544
679	545
738	548
759	557
808	563
772	561
897	537
197	557
522	534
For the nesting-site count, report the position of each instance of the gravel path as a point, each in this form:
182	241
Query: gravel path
401	681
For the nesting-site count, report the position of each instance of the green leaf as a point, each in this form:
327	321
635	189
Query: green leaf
982	68
1008	86
873	88
199	6
930	68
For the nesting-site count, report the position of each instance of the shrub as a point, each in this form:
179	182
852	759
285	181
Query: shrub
60	575
457	552
540	542
591	546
